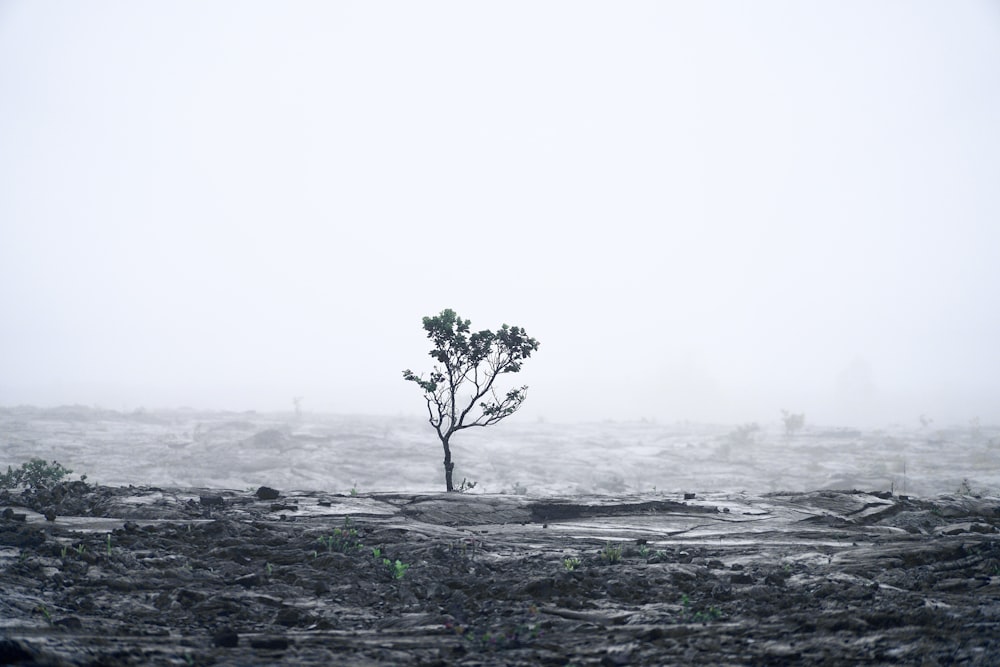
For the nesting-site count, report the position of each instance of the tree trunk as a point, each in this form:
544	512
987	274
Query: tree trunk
448	465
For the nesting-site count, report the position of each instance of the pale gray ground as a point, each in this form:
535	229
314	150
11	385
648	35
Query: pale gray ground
338	453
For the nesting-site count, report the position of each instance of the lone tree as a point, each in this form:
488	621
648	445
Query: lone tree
461	391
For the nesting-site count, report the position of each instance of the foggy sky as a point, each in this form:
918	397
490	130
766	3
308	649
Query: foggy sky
706	211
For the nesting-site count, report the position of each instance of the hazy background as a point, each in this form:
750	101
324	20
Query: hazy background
703	210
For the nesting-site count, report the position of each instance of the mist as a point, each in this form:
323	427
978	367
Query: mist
703	211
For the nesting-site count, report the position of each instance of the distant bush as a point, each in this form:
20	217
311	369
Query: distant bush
744	434
793	422
34	474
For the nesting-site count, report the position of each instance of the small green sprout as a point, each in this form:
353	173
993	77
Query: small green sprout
571	564
397	568
343	539
109	545
44	612
612	553
269	568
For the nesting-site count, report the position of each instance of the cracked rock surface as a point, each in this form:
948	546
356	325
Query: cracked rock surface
151	576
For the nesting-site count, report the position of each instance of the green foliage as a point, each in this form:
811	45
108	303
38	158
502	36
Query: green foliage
41	609
520	634
689	615
460	390
397	568
343	539
36	473
612	553
571	564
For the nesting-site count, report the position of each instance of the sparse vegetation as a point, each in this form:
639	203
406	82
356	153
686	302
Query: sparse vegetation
497	639
343	539
612	553
689	615
744	434
965	488
571	564
460	392
397	568
36	473
793	422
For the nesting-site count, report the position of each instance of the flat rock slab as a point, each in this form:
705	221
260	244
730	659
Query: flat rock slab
140	576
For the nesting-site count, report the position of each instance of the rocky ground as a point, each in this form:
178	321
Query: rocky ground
94	575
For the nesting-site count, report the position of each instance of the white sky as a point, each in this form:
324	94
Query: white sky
703	210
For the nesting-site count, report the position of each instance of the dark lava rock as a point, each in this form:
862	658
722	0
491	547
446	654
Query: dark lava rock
270	643
226	638
741	578
10	515
21	537
13	652
70	623
267	493
212	501
289	616
50	514
248	580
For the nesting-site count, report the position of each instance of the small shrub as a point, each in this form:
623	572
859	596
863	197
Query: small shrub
36	473
744	434
793	422
965	488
